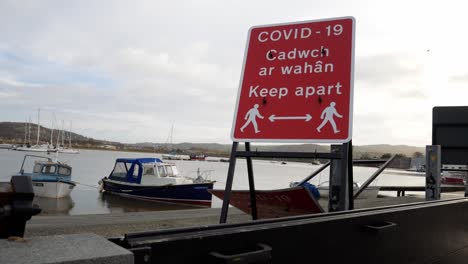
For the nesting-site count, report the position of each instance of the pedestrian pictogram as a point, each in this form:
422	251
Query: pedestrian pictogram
328	117
251	117
297	83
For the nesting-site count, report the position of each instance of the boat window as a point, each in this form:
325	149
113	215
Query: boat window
64	171
135	171
148	171
169	171
37	168
49	169
120	170
162	171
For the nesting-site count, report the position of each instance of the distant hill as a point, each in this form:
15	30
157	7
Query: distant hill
371	151
378	150
14	132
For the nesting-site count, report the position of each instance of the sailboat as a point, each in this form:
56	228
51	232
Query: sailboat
49	147
38	147
69	149
172	155
27	136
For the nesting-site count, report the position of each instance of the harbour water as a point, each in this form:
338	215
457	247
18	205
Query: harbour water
91	165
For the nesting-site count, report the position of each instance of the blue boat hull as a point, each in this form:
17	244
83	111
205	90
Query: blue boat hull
189	194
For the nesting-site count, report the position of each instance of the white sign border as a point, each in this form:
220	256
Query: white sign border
351	92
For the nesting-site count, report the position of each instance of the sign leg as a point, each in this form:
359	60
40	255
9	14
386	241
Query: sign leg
350	175
253	197
433	161
229	180
338	189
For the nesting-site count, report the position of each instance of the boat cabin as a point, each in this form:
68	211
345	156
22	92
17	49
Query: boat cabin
51	168
48	171
147	171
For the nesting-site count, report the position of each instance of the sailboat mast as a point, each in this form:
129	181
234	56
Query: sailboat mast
63	132
52	132
58	137
172	131
29	131
69	136
25	131
38	125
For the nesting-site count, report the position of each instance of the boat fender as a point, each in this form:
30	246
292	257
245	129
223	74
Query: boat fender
313	189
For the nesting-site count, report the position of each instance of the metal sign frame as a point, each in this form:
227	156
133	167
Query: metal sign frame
341	178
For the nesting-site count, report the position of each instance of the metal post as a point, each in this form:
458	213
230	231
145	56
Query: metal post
338	189
229	180
350	175
253	197
466	185
433	160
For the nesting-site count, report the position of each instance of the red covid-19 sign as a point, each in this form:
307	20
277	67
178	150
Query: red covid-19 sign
297	83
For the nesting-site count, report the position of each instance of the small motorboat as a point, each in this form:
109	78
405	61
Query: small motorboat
454	177
369	192
155	180
50	178
298	200
197	157
452	180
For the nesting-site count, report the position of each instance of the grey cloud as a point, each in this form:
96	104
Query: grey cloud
459	78
385	68
167	62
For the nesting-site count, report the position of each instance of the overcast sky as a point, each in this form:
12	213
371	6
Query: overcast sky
129	70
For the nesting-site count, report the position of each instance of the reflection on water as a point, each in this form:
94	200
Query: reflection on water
116	203
93	202
52	206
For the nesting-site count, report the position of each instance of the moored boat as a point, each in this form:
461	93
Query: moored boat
454	174
152	179
297	200
51	179
197	157
6	146
369	192
172	156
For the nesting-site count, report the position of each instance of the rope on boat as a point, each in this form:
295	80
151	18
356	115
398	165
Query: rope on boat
87	185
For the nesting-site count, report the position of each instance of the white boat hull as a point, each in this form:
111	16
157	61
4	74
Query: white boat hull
69	151
34	149
52	189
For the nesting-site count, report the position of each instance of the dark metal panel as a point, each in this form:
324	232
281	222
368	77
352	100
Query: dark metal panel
450	131
458	156
452	136
449	115
417	233
458	257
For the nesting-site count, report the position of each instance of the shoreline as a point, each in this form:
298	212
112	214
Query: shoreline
118	224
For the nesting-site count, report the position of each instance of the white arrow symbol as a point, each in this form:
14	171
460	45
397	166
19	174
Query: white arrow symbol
307	117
